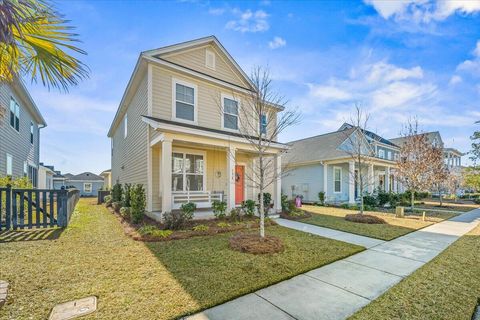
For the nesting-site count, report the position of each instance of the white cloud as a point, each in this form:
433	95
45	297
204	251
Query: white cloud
249	21
277	42
454	80
329	92
471	66
423	11
216	11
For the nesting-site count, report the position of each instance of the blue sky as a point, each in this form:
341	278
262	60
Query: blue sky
396	59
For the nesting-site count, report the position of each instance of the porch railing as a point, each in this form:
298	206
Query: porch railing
203	199
36	208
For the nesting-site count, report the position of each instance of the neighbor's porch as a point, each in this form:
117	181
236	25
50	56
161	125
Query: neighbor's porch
185	168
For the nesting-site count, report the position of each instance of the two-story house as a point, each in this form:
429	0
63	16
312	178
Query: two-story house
19	132
325	163
176	129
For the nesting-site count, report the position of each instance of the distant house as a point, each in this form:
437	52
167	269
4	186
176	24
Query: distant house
45	176
107	179
19	132
88	183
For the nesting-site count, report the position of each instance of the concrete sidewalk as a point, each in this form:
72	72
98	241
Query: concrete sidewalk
338	290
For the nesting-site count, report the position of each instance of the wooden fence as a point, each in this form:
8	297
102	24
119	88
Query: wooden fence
36	208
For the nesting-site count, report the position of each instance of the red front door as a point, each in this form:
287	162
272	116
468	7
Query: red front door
239	184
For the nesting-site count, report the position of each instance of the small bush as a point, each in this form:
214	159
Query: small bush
235	214
364	218
394	199
108	201
127	190
223	225
178	219
249	207
267	200
117	192
188	209
383	198
321	198
345	206
219	208
201	227
370	201
153	231
137	202
116	206
17	183
285	203
477	200
125	212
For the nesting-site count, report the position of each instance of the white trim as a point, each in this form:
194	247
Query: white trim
176	81
9	156
341	176
125	125
186	151
149	89
157	139
85	189
212	55
230	97
381	154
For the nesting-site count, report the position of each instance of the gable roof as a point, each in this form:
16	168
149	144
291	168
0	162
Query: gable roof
431	136
20	88
370	134
85	176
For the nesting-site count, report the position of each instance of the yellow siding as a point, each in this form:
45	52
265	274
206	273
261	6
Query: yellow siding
195	59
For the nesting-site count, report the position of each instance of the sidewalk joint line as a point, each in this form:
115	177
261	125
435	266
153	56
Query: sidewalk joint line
255	293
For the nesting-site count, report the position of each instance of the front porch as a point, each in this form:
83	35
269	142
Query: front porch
185	168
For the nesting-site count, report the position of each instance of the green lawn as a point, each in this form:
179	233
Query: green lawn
136	280
330	217
446	288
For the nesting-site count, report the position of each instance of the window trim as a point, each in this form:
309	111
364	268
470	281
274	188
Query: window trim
389	155
381	153
261	124
186	151
230	97
176	81
125	126
341	175
91	187
32	135
211	53
9	156
16	109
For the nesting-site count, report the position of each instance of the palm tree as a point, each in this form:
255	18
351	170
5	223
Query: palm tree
35	41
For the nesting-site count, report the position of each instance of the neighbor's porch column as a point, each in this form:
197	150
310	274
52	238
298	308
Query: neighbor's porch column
387	179
325	180
230	178
371	180
351	182
277	186
166	175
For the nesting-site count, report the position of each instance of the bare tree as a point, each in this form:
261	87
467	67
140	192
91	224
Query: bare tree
359	148
260	123
441	176
414	167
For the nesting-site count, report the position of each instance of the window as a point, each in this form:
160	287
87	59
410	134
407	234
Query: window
263	124
87	187
337	180
14	114
210	59
33	175
31	132
187	172
25	169
125	126
9	165
389	155
381	154
185	101
230	113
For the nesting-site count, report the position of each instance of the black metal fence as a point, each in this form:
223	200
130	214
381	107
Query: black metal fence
36	208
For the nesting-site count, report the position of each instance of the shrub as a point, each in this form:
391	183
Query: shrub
321	198
223	225
267	200
188	209
477	200
149	230
201	227
382	198
125	212
219	208
235	214
394	199
108	201
116	205
18	183
117	192
284	203
370	201
249	207
127	191
291	206
364	218
137	203
345	206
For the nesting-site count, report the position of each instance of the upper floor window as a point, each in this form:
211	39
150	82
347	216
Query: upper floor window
185	101
31	132
9	165
210	59
125	126
14	114
263	124
337	180
230	113
389	155
381	154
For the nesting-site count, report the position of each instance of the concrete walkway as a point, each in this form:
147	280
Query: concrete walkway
338	290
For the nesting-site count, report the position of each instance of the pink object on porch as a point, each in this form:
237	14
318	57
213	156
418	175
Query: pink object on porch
298	202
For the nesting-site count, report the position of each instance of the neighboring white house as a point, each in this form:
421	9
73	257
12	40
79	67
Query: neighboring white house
45	176
176	129
107	179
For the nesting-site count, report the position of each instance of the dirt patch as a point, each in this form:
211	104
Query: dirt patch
364	218
295	216
253	243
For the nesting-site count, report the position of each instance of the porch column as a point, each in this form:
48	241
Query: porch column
166	175
371	180
277	186
230	178
325	180
351	182
387	179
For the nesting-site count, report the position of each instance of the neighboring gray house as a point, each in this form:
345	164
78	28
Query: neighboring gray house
323	163
88	183
20	124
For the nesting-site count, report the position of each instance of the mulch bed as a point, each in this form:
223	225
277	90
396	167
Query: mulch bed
246	223
364	218
304	215
253	243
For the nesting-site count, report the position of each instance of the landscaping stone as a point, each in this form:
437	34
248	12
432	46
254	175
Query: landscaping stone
476	315
3	292
74	309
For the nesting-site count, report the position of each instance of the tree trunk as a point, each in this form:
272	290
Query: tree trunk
412	199
440	197
262	208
